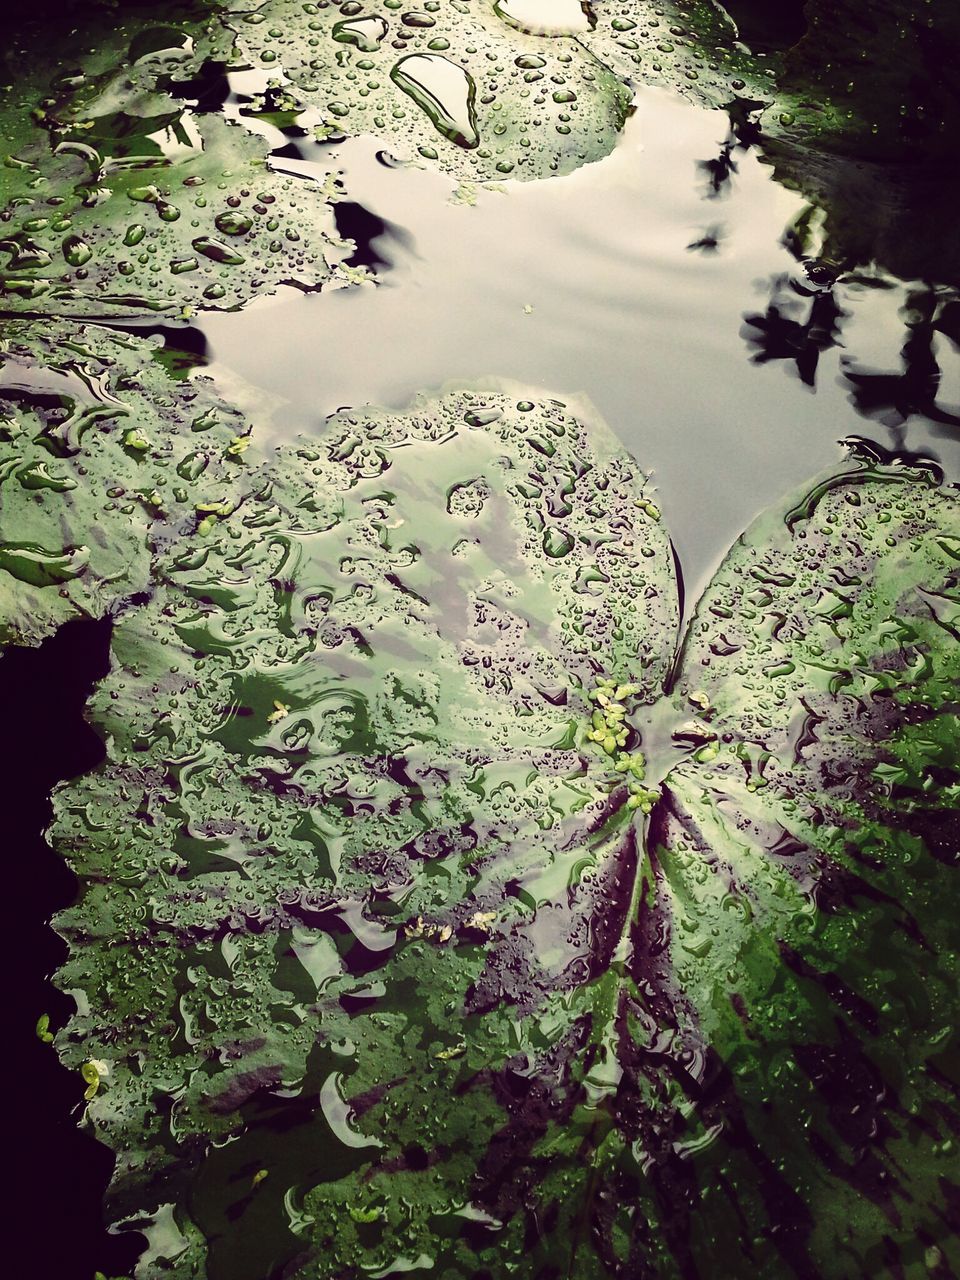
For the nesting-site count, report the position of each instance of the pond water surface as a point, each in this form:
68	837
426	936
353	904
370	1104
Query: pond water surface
628	286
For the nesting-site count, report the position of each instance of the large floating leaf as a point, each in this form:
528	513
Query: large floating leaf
210	226
807	857
525	88
367	694
372	889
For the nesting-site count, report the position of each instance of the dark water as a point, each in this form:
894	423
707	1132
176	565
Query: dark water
58	1171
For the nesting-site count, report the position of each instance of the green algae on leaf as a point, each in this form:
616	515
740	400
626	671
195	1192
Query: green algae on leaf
363	894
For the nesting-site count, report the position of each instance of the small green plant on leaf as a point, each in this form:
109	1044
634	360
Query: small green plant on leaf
94	1071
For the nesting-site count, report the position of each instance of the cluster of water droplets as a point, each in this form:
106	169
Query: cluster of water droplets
350	811
212	229
105	459
507	102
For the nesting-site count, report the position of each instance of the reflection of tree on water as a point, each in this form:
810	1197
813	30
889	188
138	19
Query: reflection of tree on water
711	240
804	318
798	324
892	398
863	119
744	133
718	171
896	217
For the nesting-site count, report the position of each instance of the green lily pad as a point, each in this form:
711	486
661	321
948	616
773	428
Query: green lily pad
806	855
364	893
533	88
120	201
474	553
104	459
210	228
454	84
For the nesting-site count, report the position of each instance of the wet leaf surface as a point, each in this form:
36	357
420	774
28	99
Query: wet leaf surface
104	460
207	227
332	657
122	201
805	854
454	85
363	893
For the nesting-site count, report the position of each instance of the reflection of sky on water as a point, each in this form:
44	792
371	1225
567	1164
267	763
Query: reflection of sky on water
589	286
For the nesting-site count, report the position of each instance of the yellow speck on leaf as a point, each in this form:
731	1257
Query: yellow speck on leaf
481	920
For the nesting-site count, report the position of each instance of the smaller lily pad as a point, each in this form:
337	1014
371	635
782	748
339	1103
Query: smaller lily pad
453	85
103	459
120	201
